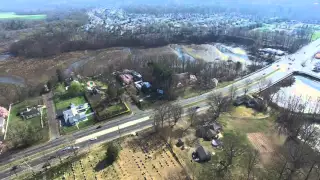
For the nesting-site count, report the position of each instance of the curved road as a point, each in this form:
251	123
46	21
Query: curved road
275	72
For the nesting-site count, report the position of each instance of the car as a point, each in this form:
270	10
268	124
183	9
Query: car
70	148
66	148
98	127
75	147
51	157
290	63
93	139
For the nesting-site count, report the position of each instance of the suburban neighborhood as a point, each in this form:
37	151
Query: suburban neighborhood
160	91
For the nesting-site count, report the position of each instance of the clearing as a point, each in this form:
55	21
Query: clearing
145	157
12	15
316	35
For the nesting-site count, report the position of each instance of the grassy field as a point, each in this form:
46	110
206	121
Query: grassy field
12	15
316	36
63	104
35	122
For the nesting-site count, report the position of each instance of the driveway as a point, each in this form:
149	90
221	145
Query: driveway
53	122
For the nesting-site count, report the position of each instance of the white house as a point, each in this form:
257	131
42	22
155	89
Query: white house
76	113
2	124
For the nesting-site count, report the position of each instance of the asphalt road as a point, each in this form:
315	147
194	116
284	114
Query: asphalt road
274	73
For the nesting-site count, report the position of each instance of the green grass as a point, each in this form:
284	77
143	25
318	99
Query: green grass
82	125
65	103
12	15
316	35
35	122
117	107
189	92
245	120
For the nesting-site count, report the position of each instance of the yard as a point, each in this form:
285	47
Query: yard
81	125
145	157
35	122
65	103
243	121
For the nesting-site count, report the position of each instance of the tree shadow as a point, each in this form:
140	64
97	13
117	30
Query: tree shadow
148	142
103	164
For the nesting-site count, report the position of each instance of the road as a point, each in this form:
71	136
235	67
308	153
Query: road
111	129
52	121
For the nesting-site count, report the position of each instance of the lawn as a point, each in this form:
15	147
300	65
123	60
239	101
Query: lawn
81	125
35	122
245	120
112	111
316	35
12	15
65	103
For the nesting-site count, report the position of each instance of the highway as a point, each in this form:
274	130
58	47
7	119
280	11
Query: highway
143	119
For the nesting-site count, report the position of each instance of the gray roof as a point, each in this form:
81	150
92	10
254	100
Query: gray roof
32	111
202	154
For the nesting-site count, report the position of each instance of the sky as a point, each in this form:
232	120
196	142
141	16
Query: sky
51	4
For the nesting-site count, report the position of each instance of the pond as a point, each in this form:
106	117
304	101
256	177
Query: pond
303	87
11	80
4	57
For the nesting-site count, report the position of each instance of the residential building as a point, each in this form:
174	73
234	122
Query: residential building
2	124
30	113
75	114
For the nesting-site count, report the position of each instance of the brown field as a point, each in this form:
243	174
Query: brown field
265	146
142	158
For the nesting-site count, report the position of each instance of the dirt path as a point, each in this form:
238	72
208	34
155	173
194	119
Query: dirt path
53	122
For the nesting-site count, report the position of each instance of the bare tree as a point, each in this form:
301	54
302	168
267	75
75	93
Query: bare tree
162	113
218	104
177	112
192	114
251	161
246	87
232	92
233	147
262	84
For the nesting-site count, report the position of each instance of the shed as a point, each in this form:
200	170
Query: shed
202	154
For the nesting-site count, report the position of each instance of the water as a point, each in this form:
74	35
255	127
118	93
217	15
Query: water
12	80
4	57
303	87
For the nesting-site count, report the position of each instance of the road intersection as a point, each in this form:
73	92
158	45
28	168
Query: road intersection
135	122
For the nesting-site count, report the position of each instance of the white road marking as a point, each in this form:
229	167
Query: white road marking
113	129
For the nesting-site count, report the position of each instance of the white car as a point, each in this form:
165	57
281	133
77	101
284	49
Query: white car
70	148
93	139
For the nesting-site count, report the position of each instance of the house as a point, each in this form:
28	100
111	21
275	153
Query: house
206	133
2	124
126	78
136	76
184	79
30	113
201	155
75	114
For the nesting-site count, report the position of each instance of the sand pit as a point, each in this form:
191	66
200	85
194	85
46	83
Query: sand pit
211	53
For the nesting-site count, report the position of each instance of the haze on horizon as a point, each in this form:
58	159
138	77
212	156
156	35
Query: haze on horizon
32	5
